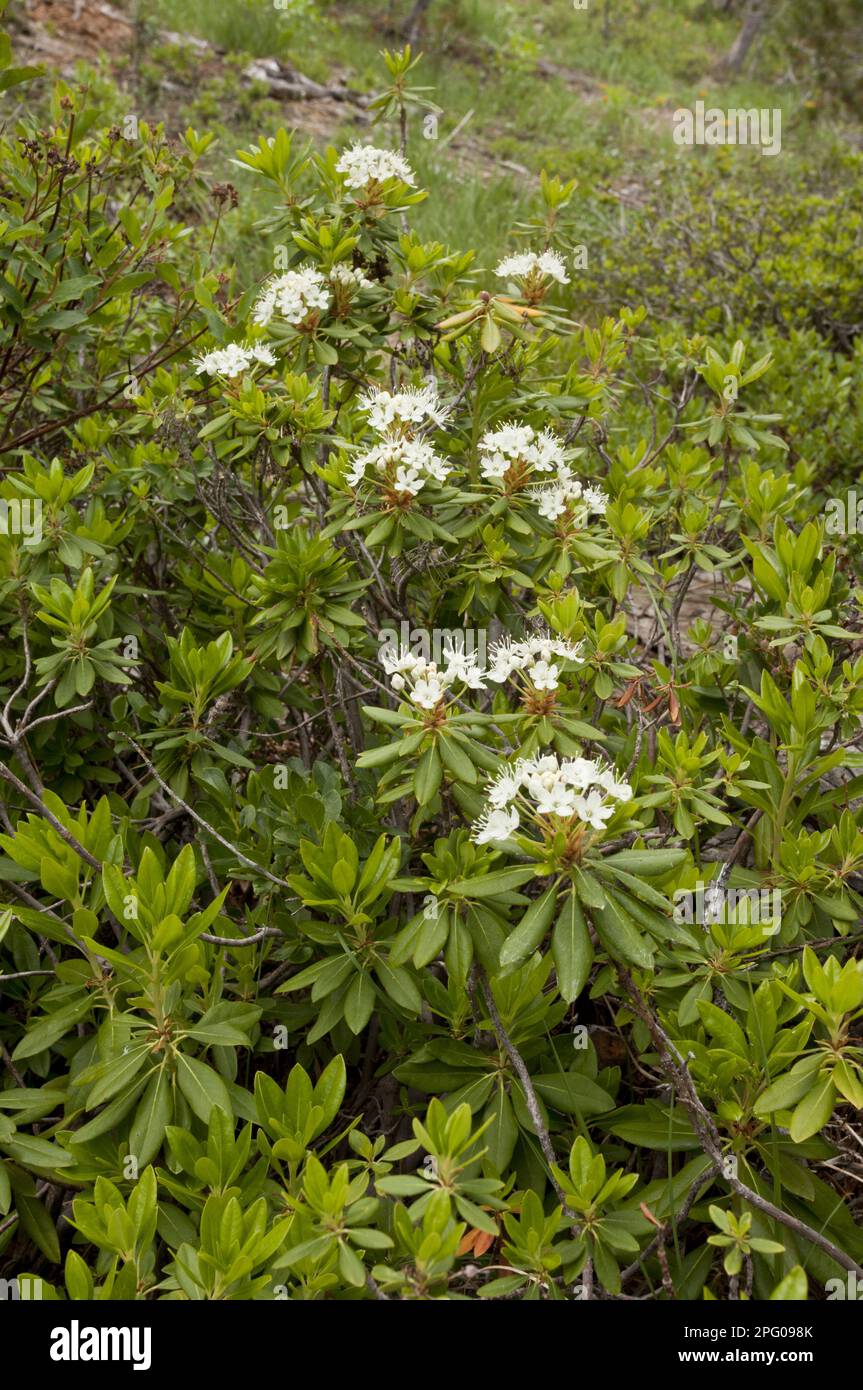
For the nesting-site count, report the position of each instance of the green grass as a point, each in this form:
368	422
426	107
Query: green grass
256	27
549	87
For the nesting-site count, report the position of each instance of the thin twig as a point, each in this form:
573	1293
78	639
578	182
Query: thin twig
527	1086
677	1072
226	844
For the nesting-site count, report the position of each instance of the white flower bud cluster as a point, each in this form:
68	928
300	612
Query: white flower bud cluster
531	265
346	277
423	682
362	165
234	359
569	790
533	659
292	296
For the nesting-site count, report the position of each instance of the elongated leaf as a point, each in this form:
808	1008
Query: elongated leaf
572	949
153	1114
202	1087
523	941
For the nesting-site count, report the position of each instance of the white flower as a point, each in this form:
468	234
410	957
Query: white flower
234	359
502	450
401	465
408	480
504	789
565	494
543	676
532	659
548	453
422	681
580	773
462	666
552	798
512	440
428	693
495	826
389	412
364	164
572	790
620	791
596	500
399	660
538	766
528	263
262	353
593	809
292	296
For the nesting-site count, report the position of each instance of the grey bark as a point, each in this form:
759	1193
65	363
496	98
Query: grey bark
753	23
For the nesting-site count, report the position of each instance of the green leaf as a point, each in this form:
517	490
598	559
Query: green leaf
51	1028
523	941
489	885
572	949
79	1280
649	863
219	1035
36	1221
650	1127
456	761
202	1087
330	1090
359	1002
723	1028
153	1114
427	777
502	1133
351	1267
787	1090
813	1111
573	1093
399	986
794	1288
33	1152
620	937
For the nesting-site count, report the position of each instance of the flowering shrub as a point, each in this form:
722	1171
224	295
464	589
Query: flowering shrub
386	659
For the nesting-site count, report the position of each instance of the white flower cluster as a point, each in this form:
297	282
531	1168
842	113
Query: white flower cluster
397	413
423	683
529	265
292	296
570	789
364	164
349	278
234	359
401	465
567	495
532	659
517	451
